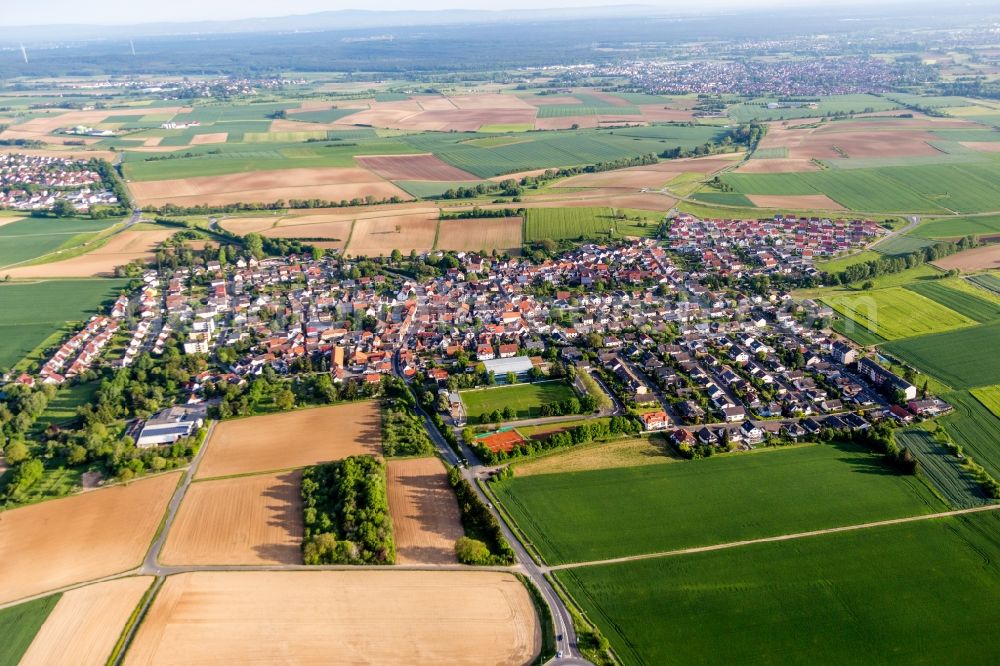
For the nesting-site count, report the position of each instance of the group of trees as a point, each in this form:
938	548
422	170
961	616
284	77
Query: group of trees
507	188
96	436
484	542
403	432
879	439
345	511
280	204
894	264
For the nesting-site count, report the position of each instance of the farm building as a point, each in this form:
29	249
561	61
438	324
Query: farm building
170	425
519	365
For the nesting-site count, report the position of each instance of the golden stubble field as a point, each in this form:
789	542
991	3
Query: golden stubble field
84	537
292	439
240	520
121	249
425	515
339	617
85	624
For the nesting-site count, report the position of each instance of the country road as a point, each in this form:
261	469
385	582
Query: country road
780	537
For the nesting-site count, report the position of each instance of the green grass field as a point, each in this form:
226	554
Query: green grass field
951	295
896	312
19	624
611	513
921	592
524	399
942	469
937	188
987	281
989	397
557	223
31	311
840	263
32	237
961	359
956	227
902	245
974	427
756	109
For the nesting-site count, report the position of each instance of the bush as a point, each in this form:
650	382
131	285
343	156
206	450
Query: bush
472	551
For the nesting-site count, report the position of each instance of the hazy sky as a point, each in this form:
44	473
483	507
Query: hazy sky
44	12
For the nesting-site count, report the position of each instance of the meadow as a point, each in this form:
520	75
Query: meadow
961	359
989	397
918	592
974	427
32	237
756	109
559	223
838	264
600	514
956	227
942	469
895	312
951	295
987	281
524	399
19	625
32	310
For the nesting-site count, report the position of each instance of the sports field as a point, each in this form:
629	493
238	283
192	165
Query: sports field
896	313
524	399
33	310
342	617
960	359
922	592
599	514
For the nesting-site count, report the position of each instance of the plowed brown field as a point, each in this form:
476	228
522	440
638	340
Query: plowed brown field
424	512
339	617
86	623
60	542
333	184
291	439
472	235
242	520
380	236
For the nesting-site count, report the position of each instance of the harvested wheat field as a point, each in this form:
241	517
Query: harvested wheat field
985	257
339	617
474	235
632	179
333	184
777	165
85	624
291	439
206	139
241	520
121	249
413	167
489	101
983	146
72	540
565	122
379	236
791	201
338	229
424	512
248	225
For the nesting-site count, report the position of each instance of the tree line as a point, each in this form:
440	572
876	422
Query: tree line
484	542
403	432
598	429
868	270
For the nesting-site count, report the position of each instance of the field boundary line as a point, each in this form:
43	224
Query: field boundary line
771	539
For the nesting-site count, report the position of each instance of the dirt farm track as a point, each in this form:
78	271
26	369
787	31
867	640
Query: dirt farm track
339	617
292	439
